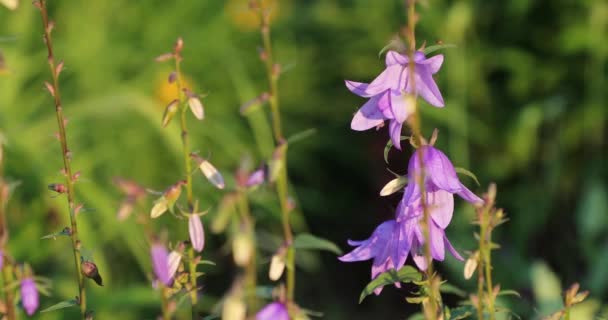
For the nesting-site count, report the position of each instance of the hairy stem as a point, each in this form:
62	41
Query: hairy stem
188	169
487	257
250	269
65	152
282	180
432	311
164	303
7	270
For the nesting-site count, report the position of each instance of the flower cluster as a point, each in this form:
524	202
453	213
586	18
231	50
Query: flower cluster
432	179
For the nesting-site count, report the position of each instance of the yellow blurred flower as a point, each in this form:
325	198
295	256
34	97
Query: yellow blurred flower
167	92
247	19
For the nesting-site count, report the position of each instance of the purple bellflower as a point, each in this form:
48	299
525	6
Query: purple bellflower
160	263
273	311
389	94
392	241
29	295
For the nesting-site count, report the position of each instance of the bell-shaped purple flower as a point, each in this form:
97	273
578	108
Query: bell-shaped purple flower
197	233
29	296
441	207
387	246
439	174
160	263
392	93
273	311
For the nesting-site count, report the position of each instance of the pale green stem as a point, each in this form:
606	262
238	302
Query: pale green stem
66	160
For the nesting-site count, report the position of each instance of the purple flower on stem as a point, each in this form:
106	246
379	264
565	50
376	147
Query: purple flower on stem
1	259
439	174
160	263
29	296
197	233
391	95
273	311
257	177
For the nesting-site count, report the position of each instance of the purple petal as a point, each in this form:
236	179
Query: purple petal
394	128
368	116
273	311
433	63
256	178
197	233
384	105
427	88
392	77
441	205
401	106
419	259
358	88
436	237
467	195
371	247
160	263
451	249
393	57
440	170
29	296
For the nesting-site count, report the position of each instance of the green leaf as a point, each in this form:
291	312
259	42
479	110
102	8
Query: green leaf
449	288
467	173
393	186
395	44
64	232
405	275
61	305
462	312
509	293
436	47
311	242
301	135
389	145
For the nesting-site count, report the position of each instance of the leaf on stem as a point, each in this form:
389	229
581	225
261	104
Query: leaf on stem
467	173
393	186
406	274
61	305
308	241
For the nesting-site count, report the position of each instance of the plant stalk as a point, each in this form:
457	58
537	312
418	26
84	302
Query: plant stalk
66	159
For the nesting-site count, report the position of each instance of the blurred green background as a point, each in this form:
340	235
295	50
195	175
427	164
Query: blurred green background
526	99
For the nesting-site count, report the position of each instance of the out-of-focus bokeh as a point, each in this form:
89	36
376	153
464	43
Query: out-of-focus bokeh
526	107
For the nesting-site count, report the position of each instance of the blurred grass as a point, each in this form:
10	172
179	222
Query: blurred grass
526	107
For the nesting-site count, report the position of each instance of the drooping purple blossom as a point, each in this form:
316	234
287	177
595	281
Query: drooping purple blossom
160	263
257	177
1	258
197	233
29	296
394	240
439	174
273	311
390	93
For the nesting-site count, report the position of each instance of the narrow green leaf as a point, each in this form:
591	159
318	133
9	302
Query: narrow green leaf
61	305
467	173
405	275
64	232
436	47
393	186
389	145
509	293
301	135
449	288
312	242
462	312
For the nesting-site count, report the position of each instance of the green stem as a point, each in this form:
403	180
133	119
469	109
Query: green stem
188	168
416	127
9	299
250	269
487	254
164	302
66	160
282	179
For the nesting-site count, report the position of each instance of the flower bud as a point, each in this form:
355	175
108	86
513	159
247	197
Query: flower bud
197	233
89	270
471	265
170	111
174	260
196	106
242	249
209	171
277	265
234	308
160	263
29	295
58	187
